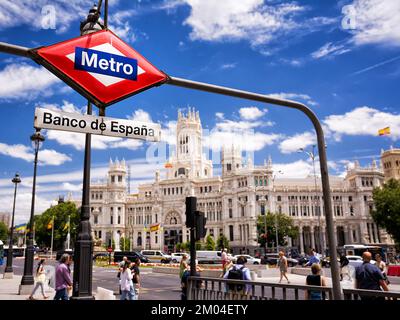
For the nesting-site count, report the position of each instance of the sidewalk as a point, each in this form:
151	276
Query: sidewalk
273	277
9	290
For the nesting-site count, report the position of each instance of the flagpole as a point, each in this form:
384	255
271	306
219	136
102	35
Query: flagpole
52	237
69	234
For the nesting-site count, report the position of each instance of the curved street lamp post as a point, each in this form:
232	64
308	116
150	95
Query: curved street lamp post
27	280
8	271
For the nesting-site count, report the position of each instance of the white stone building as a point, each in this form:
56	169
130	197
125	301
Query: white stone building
231	201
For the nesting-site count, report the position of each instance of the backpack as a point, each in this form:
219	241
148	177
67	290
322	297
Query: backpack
235	274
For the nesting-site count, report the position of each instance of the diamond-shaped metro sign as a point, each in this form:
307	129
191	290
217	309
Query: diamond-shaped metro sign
100	66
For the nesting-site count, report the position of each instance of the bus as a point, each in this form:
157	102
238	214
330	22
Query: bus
359	249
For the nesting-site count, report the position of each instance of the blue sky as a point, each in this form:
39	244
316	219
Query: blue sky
341	58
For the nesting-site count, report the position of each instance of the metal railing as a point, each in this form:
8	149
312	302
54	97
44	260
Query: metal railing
205	288
202	288
356	294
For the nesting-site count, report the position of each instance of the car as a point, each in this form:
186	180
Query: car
176	257
131	255
156	256
272	259
250	259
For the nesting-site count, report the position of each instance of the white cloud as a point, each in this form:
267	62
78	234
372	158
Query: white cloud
329	50
228	66
251	113
376	22
219	115
25	81
16	13
251	20
294	143
294	96
246	140
141	116
45	157
297	169
119	23
363	121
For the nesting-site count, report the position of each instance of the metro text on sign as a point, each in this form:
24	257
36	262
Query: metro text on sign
64	121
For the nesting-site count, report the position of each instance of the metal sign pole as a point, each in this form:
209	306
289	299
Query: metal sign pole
337	294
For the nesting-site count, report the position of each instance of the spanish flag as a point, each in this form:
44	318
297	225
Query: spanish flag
50	224
384	131
154	227
66	226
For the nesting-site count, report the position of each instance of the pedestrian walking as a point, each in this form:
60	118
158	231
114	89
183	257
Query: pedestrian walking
283	266
183	265
315	279
382	266
63	278
224	260
126	283
239	272
344	267
136	278
369	277
40	280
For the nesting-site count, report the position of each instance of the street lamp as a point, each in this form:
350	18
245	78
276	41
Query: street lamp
27	280
312	155
8	271
276	218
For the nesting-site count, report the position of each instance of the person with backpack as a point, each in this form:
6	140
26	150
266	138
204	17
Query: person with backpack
238	272
40	280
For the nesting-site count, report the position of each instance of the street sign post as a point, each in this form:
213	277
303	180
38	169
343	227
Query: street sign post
74	122
100	66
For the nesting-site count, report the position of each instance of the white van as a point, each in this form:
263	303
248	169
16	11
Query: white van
156	256
208	256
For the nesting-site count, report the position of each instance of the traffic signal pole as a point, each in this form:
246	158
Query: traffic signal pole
337	294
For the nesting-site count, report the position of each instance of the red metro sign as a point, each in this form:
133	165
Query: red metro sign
100	66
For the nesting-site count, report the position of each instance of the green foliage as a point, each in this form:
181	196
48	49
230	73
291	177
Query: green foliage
198	245
124	244
285	228
210	243
3	231
60	213
222	242
387	208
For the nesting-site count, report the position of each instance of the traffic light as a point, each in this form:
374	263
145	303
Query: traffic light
191	203
200	221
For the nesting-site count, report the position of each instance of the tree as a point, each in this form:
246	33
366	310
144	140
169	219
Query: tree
285	228
60	214
210	243
124	244
3	231
387	208
222	242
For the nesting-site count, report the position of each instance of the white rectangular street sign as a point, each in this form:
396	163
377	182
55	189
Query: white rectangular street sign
121	128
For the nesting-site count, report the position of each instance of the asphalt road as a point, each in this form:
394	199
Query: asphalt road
155	286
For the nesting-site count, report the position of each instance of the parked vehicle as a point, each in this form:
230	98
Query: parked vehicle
250	259
209	256
101	255
131	255
176	257
156	256
272	259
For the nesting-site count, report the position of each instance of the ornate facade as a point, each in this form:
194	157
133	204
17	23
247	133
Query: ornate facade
232	202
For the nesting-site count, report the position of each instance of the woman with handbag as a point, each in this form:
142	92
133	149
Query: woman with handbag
40	280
